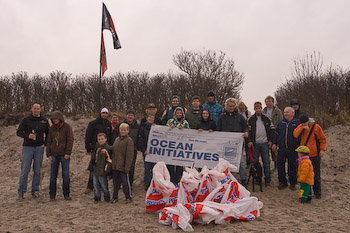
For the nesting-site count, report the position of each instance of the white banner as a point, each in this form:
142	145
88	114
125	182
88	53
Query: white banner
188	147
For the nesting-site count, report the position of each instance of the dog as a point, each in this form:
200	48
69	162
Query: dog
255	171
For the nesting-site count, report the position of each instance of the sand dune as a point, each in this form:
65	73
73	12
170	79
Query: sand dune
281	211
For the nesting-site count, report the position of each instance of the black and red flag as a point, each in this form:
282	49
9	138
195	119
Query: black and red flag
107	23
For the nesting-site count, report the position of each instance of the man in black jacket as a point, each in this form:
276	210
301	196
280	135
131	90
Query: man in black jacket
100	125
232	121
34	130
260	135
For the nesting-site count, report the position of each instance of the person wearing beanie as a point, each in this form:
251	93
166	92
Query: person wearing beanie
260	136
305	174
100	125
312	136
214	108
295	104
169	112
134	129
58	149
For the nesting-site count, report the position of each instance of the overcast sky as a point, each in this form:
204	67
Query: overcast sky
261	36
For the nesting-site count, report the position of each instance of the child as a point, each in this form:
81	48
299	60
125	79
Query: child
100	165
123	154
143	139
305	174
205	123
179	122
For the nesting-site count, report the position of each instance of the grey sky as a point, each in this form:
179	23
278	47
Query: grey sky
262	36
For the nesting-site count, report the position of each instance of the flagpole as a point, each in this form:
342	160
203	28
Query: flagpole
100	78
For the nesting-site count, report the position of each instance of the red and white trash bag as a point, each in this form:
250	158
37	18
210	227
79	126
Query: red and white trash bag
209	196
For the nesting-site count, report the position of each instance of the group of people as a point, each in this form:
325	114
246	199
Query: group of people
112	145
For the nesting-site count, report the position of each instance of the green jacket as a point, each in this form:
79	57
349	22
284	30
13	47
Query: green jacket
277	115
193	118
122	154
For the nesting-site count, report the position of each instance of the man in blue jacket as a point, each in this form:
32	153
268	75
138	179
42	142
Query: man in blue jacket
283	138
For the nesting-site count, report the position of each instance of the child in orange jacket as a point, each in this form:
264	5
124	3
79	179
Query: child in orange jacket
305	174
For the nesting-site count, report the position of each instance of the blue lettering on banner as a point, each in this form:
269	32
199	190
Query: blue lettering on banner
215	157
207	156
163	143
172	145
180	154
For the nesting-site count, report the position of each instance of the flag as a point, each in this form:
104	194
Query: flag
107	23
103	59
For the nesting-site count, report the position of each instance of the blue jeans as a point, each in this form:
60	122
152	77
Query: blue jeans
148	171
291	155
263	149
30	154
100	182
55	163
242	169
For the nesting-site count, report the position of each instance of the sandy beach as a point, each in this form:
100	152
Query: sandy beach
281	211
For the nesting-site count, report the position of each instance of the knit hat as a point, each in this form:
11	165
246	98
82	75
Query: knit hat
294	101
211	93
130	111
303	118
104	110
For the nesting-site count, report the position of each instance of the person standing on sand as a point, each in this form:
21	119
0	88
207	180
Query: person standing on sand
283	138
100	125
34	130
59	148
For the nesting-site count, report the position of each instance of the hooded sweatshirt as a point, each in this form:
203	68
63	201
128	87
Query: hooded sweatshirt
306	171
214	108
60	138
169	113
178	122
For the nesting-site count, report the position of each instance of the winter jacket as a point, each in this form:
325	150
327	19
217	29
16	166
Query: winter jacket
214	109
193	118
277	115
206	124
306	171
169	113
60	139
143	136
122	154
316	133
252	127
101	158
178	122
95	127
232	122
134	128
283	134
157	121
31	124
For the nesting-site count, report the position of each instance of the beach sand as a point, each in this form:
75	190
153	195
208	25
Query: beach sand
281	211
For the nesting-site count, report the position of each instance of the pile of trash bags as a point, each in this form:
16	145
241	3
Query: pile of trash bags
200	197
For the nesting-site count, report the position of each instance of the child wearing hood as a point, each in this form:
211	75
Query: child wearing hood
58	150
169	112
305	174
205	123
179	122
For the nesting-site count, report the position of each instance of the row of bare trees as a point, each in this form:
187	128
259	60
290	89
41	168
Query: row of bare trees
324	92
201	71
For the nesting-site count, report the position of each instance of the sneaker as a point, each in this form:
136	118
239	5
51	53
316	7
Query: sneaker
114	200
127	201
36	195
293	187
52	199
67	198
282	186
96	201
87	191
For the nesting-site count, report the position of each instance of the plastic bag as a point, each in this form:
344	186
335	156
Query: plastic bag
157	195
201	213
177	216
